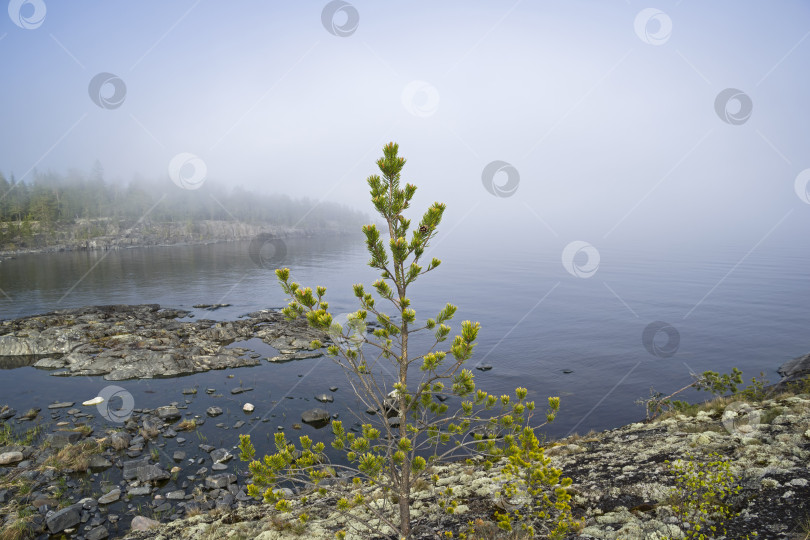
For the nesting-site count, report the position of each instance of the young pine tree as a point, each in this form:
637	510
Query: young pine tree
388	458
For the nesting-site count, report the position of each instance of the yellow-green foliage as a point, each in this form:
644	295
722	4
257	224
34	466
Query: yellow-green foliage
700	497
528	472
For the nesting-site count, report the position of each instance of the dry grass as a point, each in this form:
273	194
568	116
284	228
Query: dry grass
186	425
75	456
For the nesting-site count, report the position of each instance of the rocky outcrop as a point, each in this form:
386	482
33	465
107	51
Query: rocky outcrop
621	481
144	341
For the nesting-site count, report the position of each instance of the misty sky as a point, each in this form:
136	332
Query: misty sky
606	113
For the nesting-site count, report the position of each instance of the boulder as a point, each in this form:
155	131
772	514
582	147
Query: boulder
110	497
221	455
62	519
7	458
220	481
143	471
120	440
60	439
316	417
169	412
213	411
141	523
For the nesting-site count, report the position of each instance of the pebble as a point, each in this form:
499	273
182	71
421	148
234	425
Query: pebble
248	407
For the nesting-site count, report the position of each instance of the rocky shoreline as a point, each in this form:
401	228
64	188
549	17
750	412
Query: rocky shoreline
155	476
109	234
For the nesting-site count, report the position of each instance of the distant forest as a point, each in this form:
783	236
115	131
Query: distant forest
49	200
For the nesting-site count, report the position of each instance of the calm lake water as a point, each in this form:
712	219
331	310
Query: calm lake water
541	327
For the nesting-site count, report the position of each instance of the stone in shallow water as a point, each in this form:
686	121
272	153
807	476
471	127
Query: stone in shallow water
483	367
219	467
248	407
324	398
179	455
63	519
99	462
110	497
221	455
97	533
213	411
95	401
315	416
239	424
219	481
61	405
168	412
239	390
176	495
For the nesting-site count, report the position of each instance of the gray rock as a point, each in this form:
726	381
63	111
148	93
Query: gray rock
99	462
315	416
60	439
483	367
140	490
213	411
63	519
176	495
143	471
224	501
169	412
62	405
151	427
110	497
324	398
795	369
189	391
97	533
207	448
179	455
6	458
141	523
239	424
239	390
219	467
120	440
219	481
221	455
